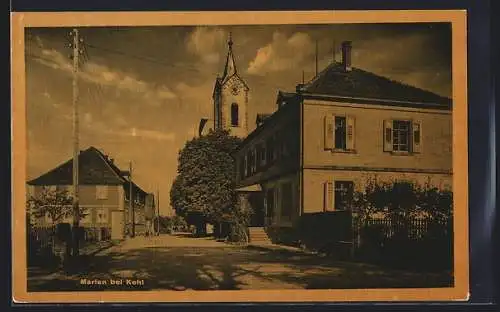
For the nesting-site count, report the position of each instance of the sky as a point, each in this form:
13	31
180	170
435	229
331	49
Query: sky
143	90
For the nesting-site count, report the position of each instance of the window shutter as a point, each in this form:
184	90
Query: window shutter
328	197
417	137
350	133
328	132
388	135
331	196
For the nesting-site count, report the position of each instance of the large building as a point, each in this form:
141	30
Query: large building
336	132
104	193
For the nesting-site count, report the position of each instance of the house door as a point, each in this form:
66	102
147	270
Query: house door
117	224
256	201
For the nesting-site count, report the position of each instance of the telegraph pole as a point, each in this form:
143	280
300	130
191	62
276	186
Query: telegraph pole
316	59
158	209
334	49
131	204
76	148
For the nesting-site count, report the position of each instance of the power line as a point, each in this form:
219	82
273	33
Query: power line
142	58
187	67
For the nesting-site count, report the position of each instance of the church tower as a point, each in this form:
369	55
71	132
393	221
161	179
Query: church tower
231	98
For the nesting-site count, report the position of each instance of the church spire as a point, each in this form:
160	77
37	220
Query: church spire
230	68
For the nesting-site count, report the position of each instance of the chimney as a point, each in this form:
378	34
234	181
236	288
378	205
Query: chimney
346	55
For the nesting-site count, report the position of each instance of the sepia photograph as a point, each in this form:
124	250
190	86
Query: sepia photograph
245	156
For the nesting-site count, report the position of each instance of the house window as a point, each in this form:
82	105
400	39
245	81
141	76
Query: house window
102	215
270	150
249	163
245	166
101	192
340	132
286	200
261	156
254	160
401	135
234	115
343	194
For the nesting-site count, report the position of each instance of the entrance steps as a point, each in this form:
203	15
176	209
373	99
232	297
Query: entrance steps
259	236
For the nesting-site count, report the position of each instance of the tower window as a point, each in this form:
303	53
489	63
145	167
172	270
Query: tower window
234	114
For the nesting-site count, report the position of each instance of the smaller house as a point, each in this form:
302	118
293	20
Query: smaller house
104	193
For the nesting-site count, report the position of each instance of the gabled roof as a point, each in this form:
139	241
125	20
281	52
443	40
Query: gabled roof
94	169
358	83
138	193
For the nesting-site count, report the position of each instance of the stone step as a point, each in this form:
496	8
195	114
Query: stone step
259	235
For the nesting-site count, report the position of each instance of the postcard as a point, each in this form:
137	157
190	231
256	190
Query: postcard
306	156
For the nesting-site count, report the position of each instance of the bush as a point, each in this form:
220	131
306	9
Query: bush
415	231
326	232
238	233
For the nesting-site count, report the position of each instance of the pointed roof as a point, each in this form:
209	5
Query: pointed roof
334	80
230	67
95	168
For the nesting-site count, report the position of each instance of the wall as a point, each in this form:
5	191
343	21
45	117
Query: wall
286	123
314	179
88	200
242	100
278	219
436	153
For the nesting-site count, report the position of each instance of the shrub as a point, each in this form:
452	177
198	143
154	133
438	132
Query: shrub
415	231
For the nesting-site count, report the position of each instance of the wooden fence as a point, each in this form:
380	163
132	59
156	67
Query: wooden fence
414	228
404	242
44	241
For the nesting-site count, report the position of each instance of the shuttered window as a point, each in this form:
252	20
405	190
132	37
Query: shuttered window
403	136
343	194
339	133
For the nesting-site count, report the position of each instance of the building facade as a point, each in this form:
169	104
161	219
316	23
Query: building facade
104	193
333	135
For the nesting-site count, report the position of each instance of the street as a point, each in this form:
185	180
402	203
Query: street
178	262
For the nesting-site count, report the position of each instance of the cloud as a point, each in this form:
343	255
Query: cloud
152	134
206	43
106	127
103	75
406	60
283	53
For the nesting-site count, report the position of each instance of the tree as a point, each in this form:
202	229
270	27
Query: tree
57	204
204	189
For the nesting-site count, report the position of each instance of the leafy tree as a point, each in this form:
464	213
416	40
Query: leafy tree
57	204
204	189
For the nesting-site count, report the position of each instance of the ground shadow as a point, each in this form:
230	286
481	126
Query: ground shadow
181	268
